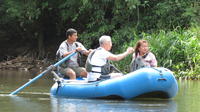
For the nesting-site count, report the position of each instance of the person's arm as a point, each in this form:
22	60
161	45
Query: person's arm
118	57
153	61
87	52
67	53
63	50
83	50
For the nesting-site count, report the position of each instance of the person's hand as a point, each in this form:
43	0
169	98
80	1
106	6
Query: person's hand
79	49
90	50
130	50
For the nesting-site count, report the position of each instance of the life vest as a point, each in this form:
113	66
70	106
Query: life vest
79	58
138	63
105	69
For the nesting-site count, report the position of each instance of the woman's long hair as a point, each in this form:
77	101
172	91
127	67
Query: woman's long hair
137	46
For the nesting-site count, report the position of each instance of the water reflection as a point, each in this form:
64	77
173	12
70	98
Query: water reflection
29	104
90	105
36	98
11	80
45	103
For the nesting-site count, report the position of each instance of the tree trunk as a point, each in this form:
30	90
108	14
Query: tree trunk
41	50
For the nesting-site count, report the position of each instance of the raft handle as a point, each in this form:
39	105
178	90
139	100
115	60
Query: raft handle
162	79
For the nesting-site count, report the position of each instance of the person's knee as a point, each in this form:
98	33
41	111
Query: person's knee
71	74
83	74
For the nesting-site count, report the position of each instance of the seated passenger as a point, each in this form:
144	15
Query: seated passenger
142	56
97	64
71	68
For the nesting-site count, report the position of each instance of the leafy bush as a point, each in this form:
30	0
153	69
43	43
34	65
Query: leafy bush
177	50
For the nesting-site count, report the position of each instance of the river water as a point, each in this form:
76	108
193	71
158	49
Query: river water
36	98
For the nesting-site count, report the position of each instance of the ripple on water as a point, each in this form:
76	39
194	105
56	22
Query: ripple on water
2	94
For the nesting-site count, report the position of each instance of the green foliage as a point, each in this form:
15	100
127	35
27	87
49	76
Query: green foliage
165	23
23	11
168	11
177	50
193	12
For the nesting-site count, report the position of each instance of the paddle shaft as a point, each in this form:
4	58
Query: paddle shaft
50	68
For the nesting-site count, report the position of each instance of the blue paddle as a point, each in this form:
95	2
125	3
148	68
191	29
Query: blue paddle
50	68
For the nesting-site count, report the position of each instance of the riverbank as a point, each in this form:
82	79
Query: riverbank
28	64
24	63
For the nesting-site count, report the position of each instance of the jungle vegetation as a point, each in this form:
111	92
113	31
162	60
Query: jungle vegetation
35	28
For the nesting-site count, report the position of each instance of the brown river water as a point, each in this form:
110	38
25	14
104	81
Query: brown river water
36	98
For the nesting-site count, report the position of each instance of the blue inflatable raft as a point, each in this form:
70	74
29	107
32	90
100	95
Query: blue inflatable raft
145	82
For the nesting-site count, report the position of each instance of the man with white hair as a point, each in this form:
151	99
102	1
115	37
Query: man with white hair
97	64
